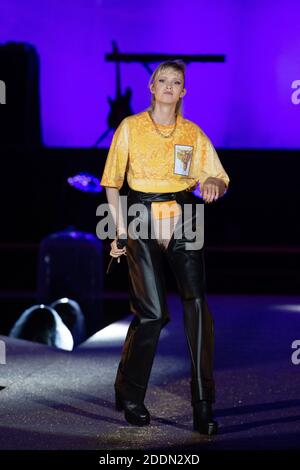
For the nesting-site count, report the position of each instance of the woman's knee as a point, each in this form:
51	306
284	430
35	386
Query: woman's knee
154	317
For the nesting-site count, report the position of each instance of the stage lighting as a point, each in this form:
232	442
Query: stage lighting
70	313
85	182
70	265
42	324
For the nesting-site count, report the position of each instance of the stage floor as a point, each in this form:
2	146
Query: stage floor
60	400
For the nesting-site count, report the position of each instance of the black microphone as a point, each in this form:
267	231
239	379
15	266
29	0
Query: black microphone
121	242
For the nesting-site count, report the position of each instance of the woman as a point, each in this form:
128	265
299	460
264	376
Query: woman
164	157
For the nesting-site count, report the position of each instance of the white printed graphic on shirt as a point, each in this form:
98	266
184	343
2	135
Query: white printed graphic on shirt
183	157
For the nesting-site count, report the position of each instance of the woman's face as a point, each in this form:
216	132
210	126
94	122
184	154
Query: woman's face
168	86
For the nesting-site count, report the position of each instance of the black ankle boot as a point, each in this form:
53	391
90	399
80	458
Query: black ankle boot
203	418
135	413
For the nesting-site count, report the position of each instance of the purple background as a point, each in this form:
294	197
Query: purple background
245	102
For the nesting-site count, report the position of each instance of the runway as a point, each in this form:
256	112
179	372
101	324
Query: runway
56	400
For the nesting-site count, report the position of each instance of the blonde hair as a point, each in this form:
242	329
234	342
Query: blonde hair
178	66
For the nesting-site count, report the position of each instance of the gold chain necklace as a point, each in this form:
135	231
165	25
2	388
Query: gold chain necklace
166	136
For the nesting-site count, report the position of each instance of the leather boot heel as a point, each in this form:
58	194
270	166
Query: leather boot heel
135	413
203	421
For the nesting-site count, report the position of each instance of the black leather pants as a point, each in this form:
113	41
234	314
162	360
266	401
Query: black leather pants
148	303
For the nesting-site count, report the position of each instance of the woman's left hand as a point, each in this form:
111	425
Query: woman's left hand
115	252
212	189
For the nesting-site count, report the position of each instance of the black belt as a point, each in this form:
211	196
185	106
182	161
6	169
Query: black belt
150	197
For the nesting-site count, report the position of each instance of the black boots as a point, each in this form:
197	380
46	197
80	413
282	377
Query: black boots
203	418
135	413
138	415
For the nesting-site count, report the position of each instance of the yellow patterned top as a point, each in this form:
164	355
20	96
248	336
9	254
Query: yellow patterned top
153	163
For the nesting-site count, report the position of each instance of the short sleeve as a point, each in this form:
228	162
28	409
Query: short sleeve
116	161
209	162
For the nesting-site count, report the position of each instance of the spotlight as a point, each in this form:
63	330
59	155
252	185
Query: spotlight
85	182
42	324
71	314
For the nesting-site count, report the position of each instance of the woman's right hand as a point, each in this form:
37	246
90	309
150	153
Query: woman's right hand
115	251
